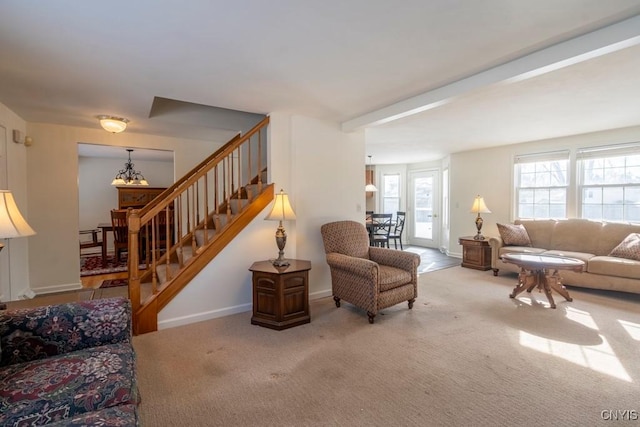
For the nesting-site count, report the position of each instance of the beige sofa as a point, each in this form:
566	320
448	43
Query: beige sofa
589	241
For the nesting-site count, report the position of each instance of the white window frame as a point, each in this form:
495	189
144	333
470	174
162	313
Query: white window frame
626	184
539	160
383	195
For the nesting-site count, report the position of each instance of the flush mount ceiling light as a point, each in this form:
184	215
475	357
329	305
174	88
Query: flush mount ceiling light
113	124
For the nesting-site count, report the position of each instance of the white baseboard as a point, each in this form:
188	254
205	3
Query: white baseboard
57	288
200	317
320	294
226	311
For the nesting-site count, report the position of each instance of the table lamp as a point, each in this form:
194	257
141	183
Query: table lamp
281	211
12	224
479	207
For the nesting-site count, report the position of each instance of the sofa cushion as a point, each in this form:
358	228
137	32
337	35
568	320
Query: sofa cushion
612	234
576	235
613	266
46	390
514	235
629	248
39	332
539	231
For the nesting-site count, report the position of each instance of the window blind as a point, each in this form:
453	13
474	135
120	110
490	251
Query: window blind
542	157
617	150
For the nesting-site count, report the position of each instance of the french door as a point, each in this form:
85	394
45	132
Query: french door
424	224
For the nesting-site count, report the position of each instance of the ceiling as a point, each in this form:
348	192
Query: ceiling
113	152
454	75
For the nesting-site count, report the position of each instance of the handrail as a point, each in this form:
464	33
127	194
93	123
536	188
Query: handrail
216	154
177	227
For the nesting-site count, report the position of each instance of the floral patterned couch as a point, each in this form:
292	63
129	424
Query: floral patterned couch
68	365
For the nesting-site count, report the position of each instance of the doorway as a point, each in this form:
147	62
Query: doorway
424	224
98	165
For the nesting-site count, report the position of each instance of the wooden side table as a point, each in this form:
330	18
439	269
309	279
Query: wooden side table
475	253
280	294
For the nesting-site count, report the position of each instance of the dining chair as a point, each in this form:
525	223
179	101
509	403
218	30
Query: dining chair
396	234
120	232
155	237
381	229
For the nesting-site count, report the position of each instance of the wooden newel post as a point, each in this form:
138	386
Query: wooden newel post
133	220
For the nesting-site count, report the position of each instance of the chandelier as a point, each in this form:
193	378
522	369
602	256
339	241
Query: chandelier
128	175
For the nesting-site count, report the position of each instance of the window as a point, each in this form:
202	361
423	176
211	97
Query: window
541	185
390	193
610	182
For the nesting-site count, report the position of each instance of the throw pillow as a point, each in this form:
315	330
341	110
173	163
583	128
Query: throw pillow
514	235
629	248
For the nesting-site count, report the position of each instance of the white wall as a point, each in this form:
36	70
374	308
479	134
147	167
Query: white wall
490	173
52	184
321	170
327	182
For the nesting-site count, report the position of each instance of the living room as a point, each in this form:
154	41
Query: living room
316	155
300	147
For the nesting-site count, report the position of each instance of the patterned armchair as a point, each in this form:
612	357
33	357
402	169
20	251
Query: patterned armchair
69	364
368	277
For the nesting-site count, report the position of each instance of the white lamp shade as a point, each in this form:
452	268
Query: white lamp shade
479	206
113	124
12	224
281	210
370	187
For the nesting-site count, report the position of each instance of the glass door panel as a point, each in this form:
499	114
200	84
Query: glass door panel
424	219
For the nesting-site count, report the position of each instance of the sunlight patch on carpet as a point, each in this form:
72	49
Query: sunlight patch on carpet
600	358
632	329
581	317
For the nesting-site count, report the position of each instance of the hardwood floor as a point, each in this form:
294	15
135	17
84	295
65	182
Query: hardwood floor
94	282
432	259
90	290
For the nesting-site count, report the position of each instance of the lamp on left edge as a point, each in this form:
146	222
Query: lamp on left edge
281	211
12	223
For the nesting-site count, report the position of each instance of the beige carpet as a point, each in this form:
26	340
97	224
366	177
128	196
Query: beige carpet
466	355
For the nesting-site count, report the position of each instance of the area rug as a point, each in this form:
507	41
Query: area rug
92	265
113	283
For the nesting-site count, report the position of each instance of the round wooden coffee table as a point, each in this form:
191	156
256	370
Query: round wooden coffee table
534	272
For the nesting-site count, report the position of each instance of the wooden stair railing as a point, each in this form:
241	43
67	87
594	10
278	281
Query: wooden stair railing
177	234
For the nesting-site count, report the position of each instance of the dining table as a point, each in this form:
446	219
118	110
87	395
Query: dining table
105	227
